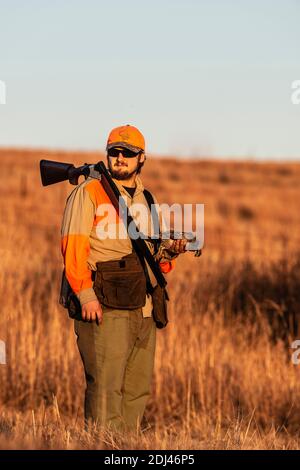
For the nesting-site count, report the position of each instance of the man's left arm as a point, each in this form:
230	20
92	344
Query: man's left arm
167	257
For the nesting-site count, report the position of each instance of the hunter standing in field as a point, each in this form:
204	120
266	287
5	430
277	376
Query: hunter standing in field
116	344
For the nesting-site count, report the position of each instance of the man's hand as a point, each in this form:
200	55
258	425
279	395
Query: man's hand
178	246
92	311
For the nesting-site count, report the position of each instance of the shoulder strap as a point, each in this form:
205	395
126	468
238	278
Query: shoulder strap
154	214
148	197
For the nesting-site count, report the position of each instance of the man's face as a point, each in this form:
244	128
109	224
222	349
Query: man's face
124	163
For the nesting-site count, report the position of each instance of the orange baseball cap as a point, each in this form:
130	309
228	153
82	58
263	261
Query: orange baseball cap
126	136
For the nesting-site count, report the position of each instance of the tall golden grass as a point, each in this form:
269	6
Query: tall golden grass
223	378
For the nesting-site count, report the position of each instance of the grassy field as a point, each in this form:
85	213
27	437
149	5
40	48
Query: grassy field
224	378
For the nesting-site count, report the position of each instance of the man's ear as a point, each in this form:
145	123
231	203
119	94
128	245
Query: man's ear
142	157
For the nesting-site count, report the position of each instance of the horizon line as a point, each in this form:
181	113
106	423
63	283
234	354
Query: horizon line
240	158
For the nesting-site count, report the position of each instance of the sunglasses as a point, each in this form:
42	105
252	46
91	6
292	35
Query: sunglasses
114	152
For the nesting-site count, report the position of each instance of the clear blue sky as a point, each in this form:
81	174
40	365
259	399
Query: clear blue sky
197	77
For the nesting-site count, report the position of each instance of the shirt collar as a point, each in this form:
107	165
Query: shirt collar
139	186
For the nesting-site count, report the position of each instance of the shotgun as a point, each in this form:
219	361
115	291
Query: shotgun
55	172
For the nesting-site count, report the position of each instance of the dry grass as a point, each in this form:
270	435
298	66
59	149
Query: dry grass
223	375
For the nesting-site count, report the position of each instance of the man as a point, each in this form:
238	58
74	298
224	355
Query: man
117	345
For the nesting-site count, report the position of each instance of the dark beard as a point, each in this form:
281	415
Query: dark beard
121	176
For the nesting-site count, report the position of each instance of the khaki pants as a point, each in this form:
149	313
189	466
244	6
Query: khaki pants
118	359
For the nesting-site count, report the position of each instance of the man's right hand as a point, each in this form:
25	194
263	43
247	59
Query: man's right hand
92	311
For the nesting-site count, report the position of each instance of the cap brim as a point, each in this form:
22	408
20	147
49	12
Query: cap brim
124	145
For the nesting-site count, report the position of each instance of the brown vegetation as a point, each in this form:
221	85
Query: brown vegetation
223	374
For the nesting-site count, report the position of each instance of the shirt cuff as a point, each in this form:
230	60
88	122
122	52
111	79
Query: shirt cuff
168	256
86	295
